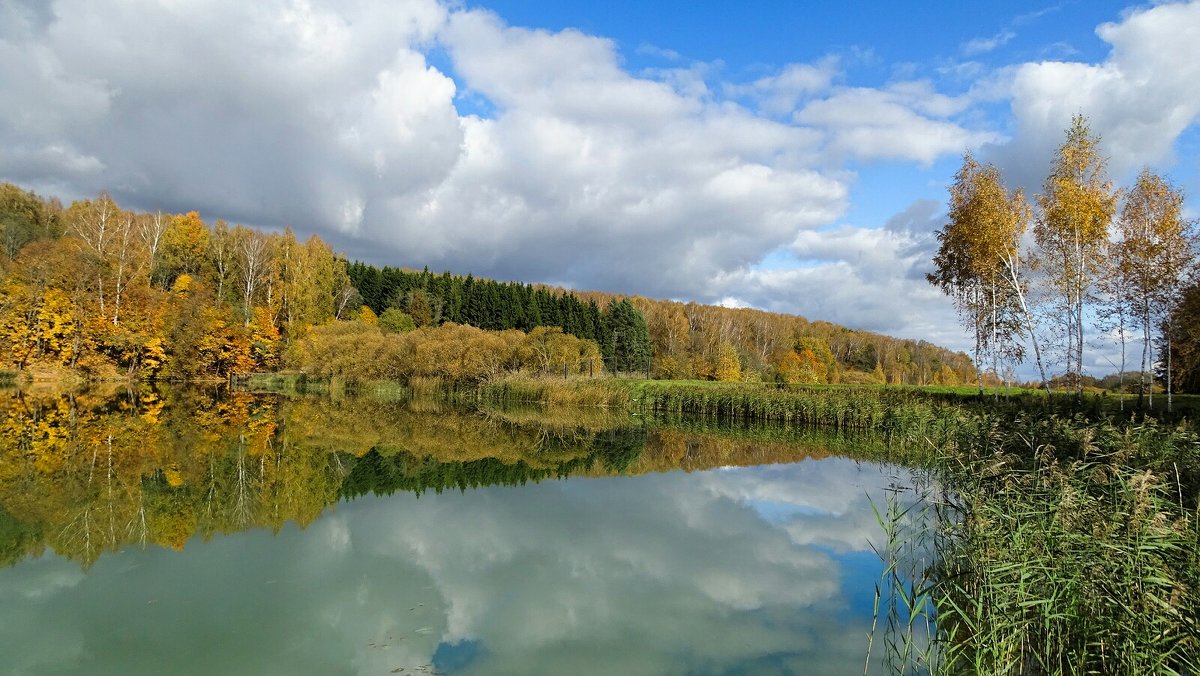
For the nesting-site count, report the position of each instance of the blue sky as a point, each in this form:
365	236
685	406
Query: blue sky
756	37
783	155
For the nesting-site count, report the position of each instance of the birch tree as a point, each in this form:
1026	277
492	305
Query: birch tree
1075	210
151	227
1148	259
252	262
978	264
221	253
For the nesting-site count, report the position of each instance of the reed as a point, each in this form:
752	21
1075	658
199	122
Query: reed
1072	547
579	392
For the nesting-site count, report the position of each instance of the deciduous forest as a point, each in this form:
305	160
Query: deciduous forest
95	291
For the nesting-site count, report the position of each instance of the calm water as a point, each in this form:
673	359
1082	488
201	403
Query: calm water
207	533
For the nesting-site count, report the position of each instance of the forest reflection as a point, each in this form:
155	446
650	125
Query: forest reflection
84	474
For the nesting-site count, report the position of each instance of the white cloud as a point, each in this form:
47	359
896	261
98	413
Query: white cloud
984	45
1140	99
906	121
863	277
780	94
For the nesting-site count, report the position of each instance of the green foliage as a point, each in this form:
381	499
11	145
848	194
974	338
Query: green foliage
626	344
25	217
432	300
394	320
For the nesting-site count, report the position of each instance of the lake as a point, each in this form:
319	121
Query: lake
193	531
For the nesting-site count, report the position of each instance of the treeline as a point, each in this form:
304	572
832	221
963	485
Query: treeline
1114	260
431	300
110	292
684	340
718	343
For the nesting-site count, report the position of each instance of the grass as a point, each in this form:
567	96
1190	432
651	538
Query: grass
581	392
1064	545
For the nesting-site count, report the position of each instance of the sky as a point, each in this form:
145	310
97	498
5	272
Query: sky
782	155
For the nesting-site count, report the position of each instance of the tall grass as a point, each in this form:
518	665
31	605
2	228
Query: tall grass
1073	548
581	392
862	408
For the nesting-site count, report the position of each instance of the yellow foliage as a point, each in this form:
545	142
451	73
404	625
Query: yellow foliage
946	376
182	284
801	368
173	476
728	368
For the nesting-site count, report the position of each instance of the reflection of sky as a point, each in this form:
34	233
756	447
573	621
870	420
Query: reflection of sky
739	570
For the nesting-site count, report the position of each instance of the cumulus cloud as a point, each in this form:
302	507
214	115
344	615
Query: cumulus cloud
907	121
361	121
591	176
1139	99
865	277
274	112
779	94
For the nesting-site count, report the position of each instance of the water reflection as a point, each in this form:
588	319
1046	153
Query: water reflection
625	569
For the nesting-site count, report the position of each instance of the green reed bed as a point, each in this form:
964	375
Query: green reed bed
881	409
1070	546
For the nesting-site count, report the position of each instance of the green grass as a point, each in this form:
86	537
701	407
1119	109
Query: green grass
1064	545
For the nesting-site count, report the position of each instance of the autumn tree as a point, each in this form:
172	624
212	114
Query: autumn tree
251	260
93	222
1071	230
183	248
978	263
151	228
728	367
24	218
1181	341
309	276
221	253
1150	258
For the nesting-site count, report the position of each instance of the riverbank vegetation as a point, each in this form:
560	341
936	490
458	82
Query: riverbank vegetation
1069	546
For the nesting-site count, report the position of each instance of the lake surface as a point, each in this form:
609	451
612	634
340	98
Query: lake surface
203	532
